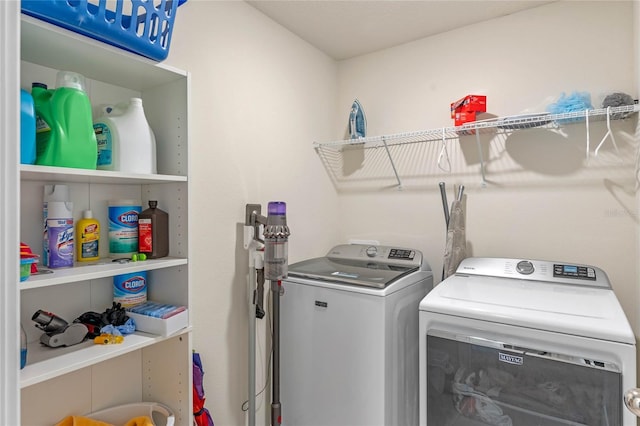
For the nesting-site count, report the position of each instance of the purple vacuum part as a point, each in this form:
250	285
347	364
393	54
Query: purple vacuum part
278	208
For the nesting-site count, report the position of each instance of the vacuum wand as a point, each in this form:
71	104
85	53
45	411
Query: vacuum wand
276	268
276	405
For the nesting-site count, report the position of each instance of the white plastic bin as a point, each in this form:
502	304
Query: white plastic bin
161	415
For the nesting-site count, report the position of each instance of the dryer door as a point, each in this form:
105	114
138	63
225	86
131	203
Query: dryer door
483	382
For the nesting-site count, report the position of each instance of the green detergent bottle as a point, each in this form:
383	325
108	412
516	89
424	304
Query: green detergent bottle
64	124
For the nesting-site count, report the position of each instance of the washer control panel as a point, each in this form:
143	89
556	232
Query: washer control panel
380	254
535	270
396	253
574	271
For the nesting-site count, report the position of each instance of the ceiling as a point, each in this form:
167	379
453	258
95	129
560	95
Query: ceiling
347	28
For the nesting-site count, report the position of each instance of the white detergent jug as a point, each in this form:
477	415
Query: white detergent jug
126	143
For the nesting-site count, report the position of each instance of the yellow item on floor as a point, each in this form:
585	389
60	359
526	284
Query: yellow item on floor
140	421
86	421
81	421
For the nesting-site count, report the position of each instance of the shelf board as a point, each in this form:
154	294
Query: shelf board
499	124
99	269
58	48
67	174
44	363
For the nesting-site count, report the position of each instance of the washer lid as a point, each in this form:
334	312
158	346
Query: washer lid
592	312
351	271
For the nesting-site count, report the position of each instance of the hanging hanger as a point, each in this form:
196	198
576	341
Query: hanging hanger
443	152
608	134
586	119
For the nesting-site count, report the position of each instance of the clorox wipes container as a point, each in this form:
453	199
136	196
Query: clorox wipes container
126	143
64	123
130	289
123	227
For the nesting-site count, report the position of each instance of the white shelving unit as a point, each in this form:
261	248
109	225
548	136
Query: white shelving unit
32	172
88	377
48	365
477	128
98	269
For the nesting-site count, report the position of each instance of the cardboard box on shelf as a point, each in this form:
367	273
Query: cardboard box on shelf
161	327
470	103
464	117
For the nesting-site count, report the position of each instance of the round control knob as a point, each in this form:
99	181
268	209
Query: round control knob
525	267
372	251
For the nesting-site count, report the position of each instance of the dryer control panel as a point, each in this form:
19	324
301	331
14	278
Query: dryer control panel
574	271
535	270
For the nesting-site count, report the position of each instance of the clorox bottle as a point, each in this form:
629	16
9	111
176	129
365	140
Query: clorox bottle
126	143
64	130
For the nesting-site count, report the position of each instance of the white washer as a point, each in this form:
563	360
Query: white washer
518	342
348	337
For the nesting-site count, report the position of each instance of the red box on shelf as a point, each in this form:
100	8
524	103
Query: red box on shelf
470	103
462	117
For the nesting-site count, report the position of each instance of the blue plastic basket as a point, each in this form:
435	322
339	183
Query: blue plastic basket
140	26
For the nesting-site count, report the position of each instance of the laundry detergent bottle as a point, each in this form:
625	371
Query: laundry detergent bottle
64	123
126	143
27	128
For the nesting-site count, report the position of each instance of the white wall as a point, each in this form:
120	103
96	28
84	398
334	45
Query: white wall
260	96
542	200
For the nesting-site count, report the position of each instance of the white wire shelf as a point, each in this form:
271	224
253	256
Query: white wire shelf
496	125
505	124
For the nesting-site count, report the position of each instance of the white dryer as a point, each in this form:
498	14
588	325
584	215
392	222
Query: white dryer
348	337
513	342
